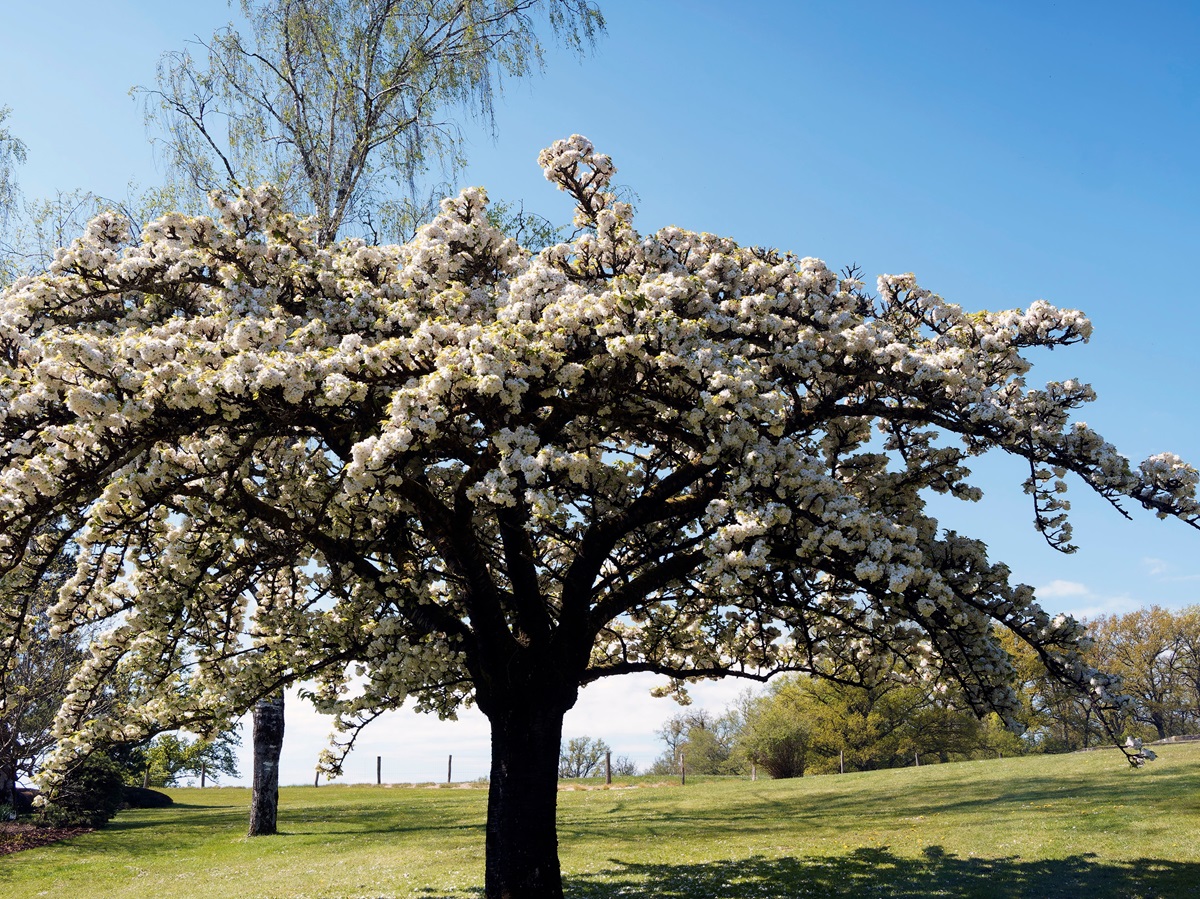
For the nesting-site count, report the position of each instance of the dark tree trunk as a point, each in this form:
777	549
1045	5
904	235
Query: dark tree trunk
522	841
268	743
1160	724
8	786
8	762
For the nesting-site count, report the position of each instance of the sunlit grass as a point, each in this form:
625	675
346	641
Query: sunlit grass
1080	825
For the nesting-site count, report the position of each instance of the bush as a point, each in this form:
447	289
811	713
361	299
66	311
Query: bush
91	794
140	797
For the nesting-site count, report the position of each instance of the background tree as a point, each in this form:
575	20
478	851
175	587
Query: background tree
775	732
1145	648
1152	650
864	726
703	740
1054	717
1188	653
171	757
582	757
33	228
674	734
12	154
343	106
624	766
480	473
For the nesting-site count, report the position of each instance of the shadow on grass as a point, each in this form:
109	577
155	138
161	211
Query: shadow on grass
878	872
1000	800
176	816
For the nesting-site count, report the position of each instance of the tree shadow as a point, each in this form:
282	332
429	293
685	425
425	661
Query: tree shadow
879	872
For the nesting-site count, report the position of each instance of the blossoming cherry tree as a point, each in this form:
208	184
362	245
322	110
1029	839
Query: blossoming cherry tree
457	471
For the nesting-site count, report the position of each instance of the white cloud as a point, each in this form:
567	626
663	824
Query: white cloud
1104	605
1159	569
1084	604
1058	588
1155	567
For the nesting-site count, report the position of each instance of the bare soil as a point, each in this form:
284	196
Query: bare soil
15	836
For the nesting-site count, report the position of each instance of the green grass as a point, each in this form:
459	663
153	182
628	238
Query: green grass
1070	826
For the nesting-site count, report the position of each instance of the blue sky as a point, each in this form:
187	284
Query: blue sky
1003	152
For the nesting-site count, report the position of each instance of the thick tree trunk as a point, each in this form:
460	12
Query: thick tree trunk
522	842
268	743
1160	725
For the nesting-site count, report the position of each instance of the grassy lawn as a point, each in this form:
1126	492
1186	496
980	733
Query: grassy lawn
1071	826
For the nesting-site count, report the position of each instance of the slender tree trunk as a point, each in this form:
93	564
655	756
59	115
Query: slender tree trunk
8	785
8	762
268	743
522	842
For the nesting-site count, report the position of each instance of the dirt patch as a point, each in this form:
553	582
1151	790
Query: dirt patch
571	788
14	836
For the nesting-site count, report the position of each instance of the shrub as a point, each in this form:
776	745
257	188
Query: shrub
88	797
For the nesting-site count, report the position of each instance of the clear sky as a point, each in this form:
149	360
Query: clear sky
1004	152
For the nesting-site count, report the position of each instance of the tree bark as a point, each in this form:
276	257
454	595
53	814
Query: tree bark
522	841
268	743
8	762
8	786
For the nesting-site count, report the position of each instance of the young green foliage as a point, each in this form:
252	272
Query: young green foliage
343	105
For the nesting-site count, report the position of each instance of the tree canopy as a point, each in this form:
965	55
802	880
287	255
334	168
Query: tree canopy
457	471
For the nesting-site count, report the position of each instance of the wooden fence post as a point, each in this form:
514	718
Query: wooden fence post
608	767
378	770
450	769
682	771
203	773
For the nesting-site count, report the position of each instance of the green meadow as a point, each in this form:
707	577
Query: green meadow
1082	825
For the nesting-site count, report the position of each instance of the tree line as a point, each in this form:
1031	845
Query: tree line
1156	654
810	725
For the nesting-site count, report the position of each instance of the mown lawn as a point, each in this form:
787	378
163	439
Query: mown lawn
1071	826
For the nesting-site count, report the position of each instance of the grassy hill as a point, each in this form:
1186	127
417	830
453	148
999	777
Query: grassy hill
1073	826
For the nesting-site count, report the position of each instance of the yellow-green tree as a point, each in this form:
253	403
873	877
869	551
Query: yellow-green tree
1148	650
